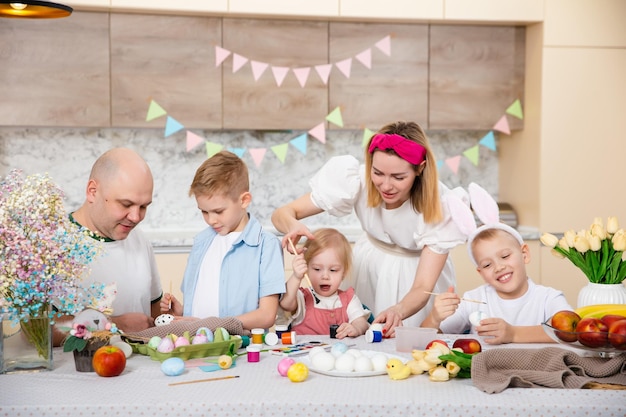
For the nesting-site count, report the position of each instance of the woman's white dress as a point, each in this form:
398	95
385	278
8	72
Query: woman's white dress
386	257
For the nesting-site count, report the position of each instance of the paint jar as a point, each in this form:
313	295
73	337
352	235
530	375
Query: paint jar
373	336
280	329
254	353
257	336
270	339
245	340
333	331
376	326
288	338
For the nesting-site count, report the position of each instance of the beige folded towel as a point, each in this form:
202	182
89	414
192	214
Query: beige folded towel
496	369
178	327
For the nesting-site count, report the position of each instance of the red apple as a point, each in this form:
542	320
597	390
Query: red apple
566	321
436	341
109	361
468	345
592	332
617	334
611	318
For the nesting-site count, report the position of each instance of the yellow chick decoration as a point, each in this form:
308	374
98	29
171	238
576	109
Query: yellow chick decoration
397	370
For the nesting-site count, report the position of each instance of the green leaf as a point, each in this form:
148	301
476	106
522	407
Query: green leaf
74	343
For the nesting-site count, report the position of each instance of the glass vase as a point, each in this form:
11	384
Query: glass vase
26	346
594	293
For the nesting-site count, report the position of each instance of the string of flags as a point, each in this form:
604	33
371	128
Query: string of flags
302	73
318	132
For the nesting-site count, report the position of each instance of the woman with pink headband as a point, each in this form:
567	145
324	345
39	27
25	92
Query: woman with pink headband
402	207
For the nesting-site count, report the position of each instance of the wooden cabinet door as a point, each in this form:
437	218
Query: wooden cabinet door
396	86
169	59
262	104
476	72
55	72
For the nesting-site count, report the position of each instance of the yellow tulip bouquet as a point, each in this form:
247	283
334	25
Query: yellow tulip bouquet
598	252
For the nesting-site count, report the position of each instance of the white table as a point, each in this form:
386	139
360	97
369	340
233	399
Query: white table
143	390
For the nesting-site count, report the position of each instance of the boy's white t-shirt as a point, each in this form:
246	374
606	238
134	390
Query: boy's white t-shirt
206	300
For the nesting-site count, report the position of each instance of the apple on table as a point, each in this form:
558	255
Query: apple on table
109	361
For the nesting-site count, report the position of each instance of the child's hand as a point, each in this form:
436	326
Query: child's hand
299	266
495	331
347	330
170	305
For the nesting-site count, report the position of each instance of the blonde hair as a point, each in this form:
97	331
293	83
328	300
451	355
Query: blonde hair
222	174
425	190
328	238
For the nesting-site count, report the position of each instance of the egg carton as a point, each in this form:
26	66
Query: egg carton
186	352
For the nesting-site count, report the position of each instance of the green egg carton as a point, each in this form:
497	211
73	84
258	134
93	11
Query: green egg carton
189	351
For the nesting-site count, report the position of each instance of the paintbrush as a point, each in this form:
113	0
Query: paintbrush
462	299
306	276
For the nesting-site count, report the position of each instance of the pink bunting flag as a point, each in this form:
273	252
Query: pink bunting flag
365	58
345	66
238	62
385	45
258	68
453	163
319	132
502	125
220	55
302	74
193	140
324	72
257	155
279	74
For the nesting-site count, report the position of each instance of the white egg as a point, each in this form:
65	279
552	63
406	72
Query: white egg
476	316
363	364
323	361
379	362
338	349
345	363
314	351
355	352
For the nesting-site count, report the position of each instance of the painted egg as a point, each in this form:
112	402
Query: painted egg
476	316
199	339
323	361
338	349
207	332
166	345
181	341
173	366
345	363
363	364
379	362
154	342
163	320
124	347
297	372
283	366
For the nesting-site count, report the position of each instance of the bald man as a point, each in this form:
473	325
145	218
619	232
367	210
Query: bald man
118	194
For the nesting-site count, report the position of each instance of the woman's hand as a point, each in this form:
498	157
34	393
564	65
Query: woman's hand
294	235
392	318
170	305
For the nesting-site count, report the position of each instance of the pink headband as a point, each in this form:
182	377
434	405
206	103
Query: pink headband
410	151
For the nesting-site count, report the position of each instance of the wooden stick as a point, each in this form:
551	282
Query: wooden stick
204	380
295	252
170	303
462	299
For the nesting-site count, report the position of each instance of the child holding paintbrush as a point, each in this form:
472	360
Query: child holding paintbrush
327	260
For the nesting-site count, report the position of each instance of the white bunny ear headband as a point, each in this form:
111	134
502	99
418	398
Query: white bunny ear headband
486	210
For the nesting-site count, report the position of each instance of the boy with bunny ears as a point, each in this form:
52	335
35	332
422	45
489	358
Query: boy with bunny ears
514	306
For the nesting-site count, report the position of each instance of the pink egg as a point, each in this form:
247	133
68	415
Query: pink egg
284	364
181	341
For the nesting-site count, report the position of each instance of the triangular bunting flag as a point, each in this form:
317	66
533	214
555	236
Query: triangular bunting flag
367	135
345	66
385	45
238	151
335	117
324	72
453	163
258	68
439	164
300	143
279	74
365	58
502	126
220	55
193	140
302	74
489	141
515	109
212	148
172	126
257	155
238	62
319	132
154	111
472	154
280	151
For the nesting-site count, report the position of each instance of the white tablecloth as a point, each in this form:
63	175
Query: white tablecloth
143	390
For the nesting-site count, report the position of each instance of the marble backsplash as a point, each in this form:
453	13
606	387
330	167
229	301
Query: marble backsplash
67	154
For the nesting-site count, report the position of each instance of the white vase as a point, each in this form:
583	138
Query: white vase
594	293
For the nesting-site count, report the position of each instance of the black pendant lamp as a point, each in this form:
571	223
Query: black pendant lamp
30	9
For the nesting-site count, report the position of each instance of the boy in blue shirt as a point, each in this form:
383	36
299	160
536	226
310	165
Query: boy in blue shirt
235	268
